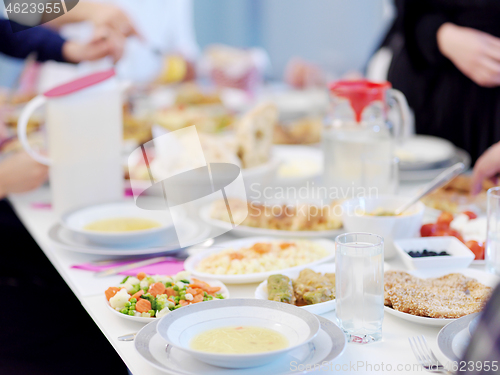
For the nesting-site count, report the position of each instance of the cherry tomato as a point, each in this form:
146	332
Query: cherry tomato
445	218
476	248
427	229
470	214
448	232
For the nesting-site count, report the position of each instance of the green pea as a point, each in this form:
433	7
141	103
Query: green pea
205	294
133	300
124	311
151	312
127	304
168	284
176	307
176	288
131	312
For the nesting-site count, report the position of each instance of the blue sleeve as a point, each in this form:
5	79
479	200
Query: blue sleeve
46	43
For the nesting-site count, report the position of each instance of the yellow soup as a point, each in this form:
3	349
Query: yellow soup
239	340
121	224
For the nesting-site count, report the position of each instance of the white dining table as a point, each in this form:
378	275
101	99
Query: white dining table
391	355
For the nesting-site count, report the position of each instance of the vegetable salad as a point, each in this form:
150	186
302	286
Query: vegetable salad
155	296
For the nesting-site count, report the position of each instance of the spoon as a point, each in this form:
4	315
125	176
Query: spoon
439	181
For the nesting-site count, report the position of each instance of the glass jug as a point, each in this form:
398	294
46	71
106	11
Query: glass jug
357	129
84	134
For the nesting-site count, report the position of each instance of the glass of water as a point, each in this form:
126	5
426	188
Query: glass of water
359	268
493	238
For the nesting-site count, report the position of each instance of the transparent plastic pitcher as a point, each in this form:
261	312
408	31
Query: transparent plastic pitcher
358	128
84	136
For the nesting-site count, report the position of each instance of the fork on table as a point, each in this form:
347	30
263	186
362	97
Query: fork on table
425	356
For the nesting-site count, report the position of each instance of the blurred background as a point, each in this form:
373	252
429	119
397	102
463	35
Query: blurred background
340	36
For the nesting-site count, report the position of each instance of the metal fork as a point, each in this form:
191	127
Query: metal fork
425	356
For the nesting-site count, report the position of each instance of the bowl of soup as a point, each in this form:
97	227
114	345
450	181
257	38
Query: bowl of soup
238	333
376	215
118	223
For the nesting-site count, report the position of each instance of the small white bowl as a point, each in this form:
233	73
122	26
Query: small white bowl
460	255
180	326
355	219
76	221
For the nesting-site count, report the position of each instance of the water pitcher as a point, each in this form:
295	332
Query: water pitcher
84	136
358	127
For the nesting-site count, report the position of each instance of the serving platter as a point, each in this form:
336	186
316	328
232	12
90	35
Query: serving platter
246	231
319	308
192	262
329	344
481	276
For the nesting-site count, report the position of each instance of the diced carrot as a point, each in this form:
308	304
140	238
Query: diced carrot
183	302
156	289
197	298
141	275
285	245
170	292
137	295
111	291
213	289
142	305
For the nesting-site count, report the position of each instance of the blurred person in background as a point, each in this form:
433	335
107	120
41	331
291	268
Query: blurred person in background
446	60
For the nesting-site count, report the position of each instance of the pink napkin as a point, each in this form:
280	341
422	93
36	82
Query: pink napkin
167	267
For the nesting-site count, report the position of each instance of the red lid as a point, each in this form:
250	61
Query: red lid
360	93
80	83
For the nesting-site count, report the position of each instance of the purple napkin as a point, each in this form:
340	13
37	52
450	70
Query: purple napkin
167	267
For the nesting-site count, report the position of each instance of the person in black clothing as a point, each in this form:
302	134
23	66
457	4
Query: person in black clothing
44	329
447	62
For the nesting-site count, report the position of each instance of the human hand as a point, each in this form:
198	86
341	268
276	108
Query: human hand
487	166
302	74
475	53
20	173
108	16
104	43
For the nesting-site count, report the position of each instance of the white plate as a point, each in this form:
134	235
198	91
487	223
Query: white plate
76	221
180	327
461	156
328	345
192	262
67	240
245	231
320	308
424	152
224	291
455	337
481	276
307	160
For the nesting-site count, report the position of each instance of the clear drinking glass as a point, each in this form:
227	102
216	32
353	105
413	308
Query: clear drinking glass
359	268
492	255
380	175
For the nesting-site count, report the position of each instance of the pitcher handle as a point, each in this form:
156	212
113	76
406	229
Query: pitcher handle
22	125
404	128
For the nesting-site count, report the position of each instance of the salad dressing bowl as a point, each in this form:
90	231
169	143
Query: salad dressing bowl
181	326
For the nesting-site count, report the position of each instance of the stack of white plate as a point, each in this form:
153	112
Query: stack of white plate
423	157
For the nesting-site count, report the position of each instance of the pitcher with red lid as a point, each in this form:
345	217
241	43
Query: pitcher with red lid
83	124
365	120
